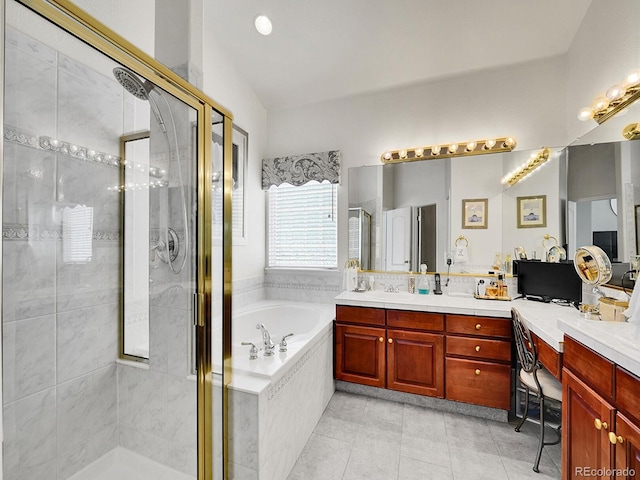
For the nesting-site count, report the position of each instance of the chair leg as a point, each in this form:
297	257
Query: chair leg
526	409
541	443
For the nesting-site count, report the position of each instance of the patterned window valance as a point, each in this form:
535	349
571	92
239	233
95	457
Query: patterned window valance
300	169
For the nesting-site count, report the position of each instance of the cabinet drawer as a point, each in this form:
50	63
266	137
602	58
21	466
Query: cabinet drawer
481	383
480	348
415	320
628	393
360	315
480	326
549	357
591	367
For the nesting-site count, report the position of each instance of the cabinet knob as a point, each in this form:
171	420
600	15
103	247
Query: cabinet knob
478	371
613	438
381	339
390	340
599	424
478	326
477	348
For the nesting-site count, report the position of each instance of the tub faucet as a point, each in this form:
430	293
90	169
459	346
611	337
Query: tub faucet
269	346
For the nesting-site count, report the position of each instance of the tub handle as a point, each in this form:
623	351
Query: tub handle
283	343
253	351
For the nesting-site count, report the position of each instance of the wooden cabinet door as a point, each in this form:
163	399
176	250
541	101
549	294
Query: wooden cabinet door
415	362
586	450
627	450
360	355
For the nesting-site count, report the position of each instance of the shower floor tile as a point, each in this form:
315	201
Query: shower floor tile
121	463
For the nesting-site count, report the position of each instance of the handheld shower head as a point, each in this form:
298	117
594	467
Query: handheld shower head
139	89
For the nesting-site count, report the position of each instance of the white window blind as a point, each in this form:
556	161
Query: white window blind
303	225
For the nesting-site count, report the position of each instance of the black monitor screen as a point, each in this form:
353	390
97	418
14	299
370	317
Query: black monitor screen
552	281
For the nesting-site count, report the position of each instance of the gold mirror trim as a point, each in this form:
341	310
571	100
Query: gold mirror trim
460	149
631	131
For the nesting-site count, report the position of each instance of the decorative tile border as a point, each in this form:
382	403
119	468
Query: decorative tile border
60	147
24	232
280	384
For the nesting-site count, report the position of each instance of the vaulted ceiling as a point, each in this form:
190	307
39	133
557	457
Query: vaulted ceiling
328	49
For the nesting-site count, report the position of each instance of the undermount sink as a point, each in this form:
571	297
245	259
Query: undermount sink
379	294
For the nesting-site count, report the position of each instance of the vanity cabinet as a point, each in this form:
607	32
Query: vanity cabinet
458	357
360	345
415	352
407	355
478	360
601	428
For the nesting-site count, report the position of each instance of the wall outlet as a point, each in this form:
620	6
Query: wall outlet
448	257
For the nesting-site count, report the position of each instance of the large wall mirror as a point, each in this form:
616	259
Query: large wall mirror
603	191
591	190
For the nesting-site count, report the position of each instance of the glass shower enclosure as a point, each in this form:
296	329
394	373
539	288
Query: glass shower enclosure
106	296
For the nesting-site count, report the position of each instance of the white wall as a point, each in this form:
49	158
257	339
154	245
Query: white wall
605	48
521	101
223	83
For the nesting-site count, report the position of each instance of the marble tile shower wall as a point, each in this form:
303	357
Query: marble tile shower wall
60	319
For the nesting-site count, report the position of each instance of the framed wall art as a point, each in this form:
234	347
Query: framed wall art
532	211
474	213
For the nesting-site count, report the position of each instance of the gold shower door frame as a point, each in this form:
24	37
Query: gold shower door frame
78	23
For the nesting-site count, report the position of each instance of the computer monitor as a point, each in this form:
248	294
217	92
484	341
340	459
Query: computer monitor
548	281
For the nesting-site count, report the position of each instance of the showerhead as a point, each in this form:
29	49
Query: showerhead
132	83
139	89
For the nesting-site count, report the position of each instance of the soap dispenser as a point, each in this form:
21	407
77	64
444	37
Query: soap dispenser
423	283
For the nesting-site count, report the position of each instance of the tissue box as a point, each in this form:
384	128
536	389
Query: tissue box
611	309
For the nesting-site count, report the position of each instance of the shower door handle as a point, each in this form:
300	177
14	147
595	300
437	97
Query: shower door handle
198	307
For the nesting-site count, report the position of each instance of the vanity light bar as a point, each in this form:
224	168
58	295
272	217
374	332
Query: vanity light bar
535	161
618	97
631	131
433	152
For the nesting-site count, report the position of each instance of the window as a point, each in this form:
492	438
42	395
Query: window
302	226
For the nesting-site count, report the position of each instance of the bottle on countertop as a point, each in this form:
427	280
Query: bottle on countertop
412	283
423	283
507	263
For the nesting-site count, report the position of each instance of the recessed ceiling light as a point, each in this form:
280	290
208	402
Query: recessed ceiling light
263	24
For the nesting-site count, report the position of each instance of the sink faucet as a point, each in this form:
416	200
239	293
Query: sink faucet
269	346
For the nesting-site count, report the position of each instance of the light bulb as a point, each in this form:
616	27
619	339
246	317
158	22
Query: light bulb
419	152
509	143
471	146
435	150
585	114
263	24
600	103
453	148
615	92
403	154
633	78
387	155
489	144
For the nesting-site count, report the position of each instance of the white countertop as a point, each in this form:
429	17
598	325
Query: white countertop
618	341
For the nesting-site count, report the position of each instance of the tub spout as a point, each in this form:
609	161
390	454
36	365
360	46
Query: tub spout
269	346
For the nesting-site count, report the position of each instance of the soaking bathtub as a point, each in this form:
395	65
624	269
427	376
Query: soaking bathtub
275	402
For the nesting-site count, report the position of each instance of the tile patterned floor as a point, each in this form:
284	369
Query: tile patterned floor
367	438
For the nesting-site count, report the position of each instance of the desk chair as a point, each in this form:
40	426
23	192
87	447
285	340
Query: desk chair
534	378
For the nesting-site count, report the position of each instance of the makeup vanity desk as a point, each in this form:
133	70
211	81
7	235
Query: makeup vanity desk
598	363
